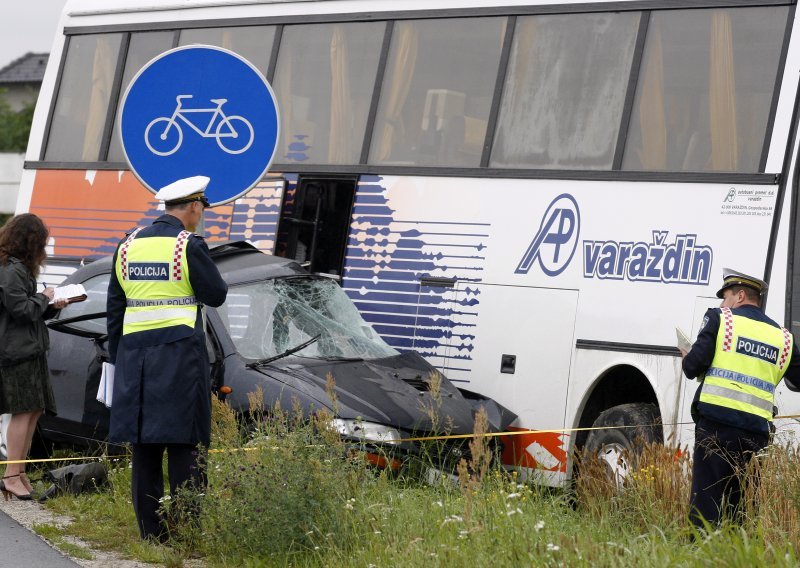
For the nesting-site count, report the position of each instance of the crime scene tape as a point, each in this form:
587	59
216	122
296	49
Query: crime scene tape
415	439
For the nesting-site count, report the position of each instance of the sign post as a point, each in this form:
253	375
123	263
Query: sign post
200	110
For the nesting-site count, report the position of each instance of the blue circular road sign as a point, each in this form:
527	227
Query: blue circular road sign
200	110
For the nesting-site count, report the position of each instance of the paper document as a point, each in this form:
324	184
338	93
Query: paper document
71	292
683	340
106	389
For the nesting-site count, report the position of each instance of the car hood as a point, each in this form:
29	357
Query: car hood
394	391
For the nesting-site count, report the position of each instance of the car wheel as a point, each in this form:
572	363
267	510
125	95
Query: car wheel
629	426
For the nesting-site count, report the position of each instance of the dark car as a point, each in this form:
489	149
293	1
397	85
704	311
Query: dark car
284	330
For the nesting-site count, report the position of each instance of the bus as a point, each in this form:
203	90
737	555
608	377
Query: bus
532	194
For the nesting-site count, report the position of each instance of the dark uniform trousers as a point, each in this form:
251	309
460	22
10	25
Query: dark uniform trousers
721	456
186	469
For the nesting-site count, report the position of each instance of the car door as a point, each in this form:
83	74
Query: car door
77	349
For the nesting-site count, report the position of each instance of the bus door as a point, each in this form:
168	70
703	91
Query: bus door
521	358
315	221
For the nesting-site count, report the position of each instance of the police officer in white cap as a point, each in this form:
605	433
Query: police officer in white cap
163	274
740	356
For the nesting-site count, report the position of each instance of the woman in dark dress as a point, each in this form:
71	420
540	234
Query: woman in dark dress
25	391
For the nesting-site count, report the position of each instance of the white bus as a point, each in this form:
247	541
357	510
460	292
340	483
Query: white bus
531	194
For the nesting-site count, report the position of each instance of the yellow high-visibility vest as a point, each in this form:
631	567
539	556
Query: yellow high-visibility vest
154	274
750	359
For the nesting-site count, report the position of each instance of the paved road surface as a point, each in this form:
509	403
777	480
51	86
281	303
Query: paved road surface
21	548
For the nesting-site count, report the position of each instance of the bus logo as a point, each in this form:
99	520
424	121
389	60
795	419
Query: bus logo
555	243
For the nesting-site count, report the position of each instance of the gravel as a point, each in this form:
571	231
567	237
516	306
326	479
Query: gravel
28	513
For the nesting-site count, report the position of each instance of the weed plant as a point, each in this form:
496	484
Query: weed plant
293	495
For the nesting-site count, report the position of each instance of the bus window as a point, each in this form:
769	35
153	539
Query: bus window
437	92
324	82
705	89
79	120
565	91
254	43
143	47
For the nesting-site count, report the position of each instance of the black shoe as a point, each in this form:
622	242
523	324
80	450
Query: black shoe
7	493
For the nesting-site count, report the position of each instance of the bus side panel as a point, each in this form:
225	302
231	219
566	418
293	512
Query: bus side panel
522	361
88	212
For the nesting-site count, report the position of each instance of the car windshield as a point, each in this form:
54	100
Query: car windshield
264	319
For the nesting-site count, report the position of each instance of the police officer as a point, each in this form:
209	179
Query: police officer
740	356
163	274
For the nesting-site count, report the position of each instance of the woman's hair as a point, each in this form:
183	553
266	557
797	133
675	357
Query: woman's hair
24	237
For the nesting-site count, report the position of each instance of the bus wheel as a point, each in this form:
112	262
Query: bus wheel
622	430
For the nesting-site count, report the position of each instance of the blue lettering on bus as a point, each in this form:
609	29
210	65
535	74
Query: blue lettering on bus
682	261
753	348
148	271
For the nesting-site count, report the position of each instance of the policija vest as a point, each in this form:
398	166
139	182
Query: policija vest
154	274
750	360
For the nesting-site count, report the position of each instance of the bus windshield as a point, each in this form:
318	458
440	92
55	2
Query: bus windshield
265	319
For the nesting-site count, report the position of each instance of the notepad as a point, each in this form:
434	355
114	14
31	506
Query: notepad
683	340
71	292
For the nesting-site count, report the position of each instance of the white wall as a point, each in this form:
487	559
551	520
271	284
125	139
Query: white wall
17	96
10	175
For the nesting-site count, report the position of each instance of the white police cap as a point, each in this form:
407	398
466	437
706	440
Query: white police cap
732	277
184	191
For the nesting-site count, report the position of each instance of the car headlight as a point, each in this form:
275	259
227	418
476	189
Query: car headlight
367	431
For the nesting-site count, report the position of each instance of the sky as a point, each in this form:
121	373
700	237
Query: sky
27	25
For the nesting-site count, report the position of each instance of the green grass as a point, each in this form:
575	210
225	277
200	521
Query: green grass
298	502
56	537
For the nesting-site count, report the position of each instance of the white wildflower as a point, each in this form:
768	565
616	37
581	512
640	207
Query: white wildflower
439	503
512	495
539	526
552	547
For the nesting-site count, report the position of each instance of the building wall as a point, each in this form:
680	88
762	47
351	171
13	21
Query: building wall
17	96
10	175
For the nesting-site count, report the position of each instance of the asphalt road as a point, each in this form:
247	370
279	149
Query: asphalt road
21	547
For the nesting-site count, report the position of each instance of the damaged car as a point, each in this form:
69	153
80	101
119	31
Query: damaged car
296	336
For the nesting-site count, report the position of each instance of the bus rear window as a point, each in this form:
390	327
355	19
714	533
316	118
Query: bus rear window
81	112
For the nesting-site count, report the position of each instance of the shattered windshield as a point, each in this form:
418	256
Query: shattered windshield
265	319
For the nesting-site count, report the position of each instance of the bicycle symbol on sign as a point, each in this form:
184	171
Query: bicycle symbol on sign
234	134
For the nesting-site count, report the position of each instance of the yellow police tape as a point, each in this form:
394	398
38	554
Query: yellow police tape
417	439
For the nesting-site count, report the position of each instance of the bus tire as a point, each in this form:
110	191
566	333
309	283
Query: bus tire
629	427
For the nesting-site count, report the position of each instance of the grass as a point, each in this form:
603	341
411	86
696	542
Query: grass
301	499
53	534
